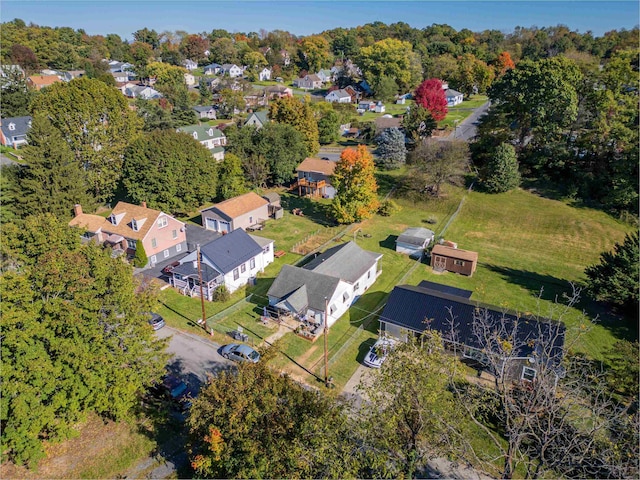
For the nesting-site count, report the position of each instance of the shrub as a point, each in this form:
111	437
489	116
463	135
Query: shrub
140	257
221	294
387	208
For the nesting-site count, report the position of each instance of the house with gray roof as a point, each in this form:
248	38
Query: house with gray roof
232	260
13	131
414	240
206	111
232	70
340	275
453	97
210	137
463	323
338	96
258	119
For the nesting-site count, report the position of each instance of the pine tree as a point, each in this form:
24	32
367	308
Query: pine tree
501	172
51	180
140	258
355	185
391	148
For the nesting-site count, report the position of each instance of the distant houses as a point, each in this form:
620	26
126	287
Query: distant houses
210	137
14	130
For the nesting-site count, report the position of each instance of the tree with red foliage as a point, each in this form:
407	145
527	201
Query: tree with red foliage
430	95
504	63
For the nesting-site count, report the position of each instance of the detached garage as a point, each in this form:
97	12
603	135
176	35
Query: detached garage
413	241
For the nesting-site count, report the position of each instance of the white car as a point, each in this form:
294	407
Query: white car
378	352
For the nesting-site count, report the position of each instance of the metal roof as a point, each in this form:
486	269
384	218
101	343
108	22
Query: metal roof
318	286
231	250
416	236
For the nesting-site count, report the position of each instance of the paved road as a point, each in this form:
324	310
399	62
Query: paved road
4	160
194	357
468	127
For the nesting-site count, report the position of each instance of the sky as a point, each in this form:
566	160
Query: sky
308	17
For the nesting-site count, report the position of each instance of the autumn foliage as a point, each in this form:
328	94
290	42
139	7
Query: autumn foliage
504	63
430	95
355	186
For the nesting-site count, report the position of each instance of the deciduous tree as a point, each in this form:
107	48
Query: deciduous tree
418	123
504	63
299	115
430	95
194	47
231	182
315	52
96	122
328	126
156	166
392	58
355	185
283	148
437	163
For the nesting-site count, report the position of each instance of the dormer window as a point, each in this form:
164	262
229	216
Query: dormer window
210	132
113	219
162	222
195	135
134	225
12	126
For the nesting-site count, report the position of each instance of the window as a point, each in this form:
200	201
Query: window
266	249
162	222
131	243
174	234
369	274
166	253
252	263
153	259
154	243
113	219
236	274
243	268
179	247
332	309
459	263
356	287
250	220
345	297
528	374
195	135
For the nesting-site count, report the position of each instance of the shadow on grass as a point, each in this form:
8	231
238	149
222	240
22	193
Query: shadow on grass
386	182
389	242
312	209
363	349
197	219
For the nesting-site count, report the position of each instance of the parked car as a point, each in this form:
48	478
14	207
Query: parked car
175	390
156	321
240	353
377	354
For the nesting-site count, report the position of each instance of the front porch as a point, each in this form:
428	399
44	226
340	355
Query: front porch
191	287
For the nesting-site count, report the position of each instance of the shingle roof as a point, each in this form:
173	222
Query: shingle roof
416	236
21	126
271	197
44	80
206	108
239	205
187	269
451	93
347	262
340	93
124	227
417	309
313	164
455	253
204	132
318	286
260	115
313	77
231	250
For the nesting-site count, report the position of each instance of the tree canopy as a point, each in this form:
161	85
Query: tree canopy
391	150
430	96
299	115
501	172
157	166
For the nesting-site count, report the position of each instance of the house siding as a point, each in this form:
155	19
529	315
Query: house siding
408	249
164	239
467	268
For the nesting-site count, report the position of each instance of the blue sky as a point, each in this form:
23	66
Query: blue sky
307	17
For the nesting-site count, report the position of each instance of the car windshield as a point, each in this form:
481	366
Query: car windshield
254	355
178	390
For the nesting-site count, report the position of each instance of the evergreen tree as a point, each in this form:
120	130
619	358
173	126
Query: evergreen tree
206	96
501	172
328	127
391	151
355	185
140	258
615	278
16	98
231	177
50	181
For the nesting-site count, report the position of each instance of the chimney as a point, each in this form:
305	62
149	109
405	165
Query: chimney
77	209
143	204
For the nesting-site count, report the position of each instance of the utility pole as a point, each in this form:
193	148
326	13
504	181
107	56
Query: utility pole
204	315
326	351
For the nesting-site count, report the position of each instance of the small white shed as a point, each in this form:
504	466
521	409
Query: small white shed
414	240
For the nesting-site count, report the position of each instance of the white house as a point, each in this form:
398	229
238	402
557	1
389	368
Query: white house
338	96
140	91
232	70
414	240
190	64
208	136
212	69
232	260
379	108
453	97
189	79
340	275
264	74
325	75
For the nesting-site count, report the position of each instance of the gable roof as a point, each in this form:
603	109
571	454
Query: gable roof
341	93
21	126
347	262
451	93
312	77
438	287
317	287
271	197
454	253
415	236
199	108
231	250
419	309
383	123
239	205
261	116
44	80
314	164
204	131
129	212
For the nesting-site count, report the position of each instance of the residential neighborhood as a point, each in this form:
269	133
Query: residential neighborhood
375	250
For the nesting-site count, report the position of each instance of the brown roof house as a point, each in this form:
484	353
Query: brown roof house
314	177
244	211
162	236
451	259
40	81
